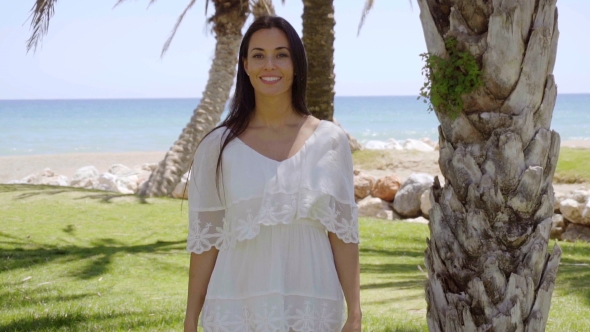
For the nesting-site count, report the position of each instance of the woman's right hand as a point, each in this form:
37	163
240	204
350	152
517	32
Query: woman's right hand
190	326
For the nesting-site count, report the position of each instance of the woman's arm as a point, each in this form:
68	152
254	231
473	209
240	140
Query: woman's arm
200	270
346	259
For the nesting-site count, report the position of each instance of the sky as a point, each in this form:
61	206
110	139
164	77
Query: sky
93	50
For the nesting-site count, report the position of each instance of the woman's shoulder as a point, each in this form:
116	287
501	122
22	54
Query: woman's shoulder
333	131
215	135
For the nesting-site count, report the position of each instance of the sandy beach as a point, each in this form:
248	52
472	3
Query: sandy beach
17	167
402	163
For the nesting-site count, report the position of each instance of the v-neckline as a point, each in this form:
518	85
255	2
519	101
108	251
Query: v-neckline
287	159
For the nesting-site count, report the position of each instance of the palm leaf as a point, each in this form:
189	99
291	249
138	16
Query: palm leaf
41	13
178	21
366	10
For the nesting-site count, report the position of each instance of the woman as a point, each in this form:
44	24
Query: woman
273	223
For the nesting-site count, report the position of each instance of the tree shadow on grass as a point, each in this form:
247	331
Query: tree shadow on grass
417	283
15	298
390	253
76	321
99	256
30	190
392	268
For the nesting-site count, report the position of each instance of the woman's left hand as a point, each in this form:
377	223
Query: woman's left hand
352	324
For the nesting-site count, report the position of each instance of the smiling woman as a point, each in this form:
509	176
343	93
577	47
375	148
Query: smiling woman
273	224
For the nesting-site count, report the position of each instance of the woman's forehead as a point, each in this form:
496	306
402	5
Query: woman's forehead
268	39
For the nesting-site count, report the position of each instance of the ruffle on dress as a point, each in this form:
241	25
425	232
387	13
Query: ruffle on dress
316	183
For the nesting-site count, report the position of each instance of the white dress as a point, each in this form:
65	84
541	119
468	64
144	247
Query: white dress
275	268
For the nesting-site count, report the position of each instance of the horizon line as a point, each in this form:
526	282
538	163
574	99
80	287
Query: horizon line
198	98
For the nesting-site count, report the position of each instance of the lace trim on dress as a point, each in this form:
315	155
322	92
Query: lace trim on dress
304	315
222	230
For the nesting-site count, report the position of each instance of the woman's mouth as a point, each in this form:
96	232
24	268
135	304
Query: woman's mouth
270	79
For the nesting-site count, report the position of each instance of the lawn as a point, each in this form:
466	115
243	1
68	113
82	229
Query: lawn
573	166
79	260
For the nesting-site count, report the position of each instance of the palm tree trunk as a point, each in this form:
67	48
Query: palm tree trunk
318	38
488	263
228	20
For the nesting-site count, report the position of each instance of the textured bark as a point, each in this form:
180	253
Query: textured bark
228	20
318	38
488	263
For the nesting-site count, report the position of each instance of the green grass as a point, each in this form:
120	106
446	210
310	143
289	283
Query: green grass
78	260
573	166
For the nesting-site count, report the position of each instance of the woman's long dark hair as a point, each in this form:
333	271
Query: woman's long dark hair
243	102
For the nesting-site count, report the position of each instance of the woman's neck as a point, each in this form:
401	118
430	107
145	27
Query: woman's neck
274	112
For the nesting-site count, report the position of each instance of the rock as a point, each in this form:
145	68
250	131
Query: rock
144	172
47	177
119	184
147	167
372	206
386	187
375	145
388	215
119	169
363	184
425	205
576	232
557	226
107	181
407	199
412	144
181	189
142	178
85	177
419	220
394	145
580	196
127	184
429	142
559	197
575	211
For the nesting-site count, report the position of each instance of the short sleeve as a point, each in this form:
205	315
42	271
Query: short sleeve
207	224
331	187
346	223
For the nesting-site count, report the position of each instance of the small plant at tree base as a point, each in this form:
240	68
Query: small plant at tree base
446	80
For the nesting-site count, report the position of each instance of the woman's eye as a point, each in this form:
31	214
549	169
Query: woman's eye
257	56
283	55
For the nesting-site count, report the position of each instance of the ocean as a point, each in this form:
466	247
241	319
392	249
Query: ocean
31	127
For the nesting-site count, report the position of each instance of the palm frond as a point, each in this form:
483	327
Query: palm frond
118	3
41	13
151	3
366	10
178	21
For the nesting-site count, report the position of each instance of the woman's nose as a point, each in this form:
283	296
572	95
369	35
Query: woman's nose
269	63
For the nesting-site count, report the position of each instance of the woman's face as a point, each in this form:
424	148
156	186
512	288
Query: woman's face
269	63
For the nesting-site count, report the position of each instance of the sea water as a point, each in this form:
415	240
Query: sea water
29	127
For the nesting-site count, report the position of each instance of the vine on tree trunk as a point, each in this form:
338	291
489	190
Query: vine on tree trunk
447	79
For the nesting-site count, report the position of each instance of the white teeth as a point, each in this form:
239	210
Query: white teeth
270	79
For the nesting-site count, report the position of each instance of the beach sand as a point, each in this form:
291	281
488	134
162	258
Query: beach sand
402	163
17	167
